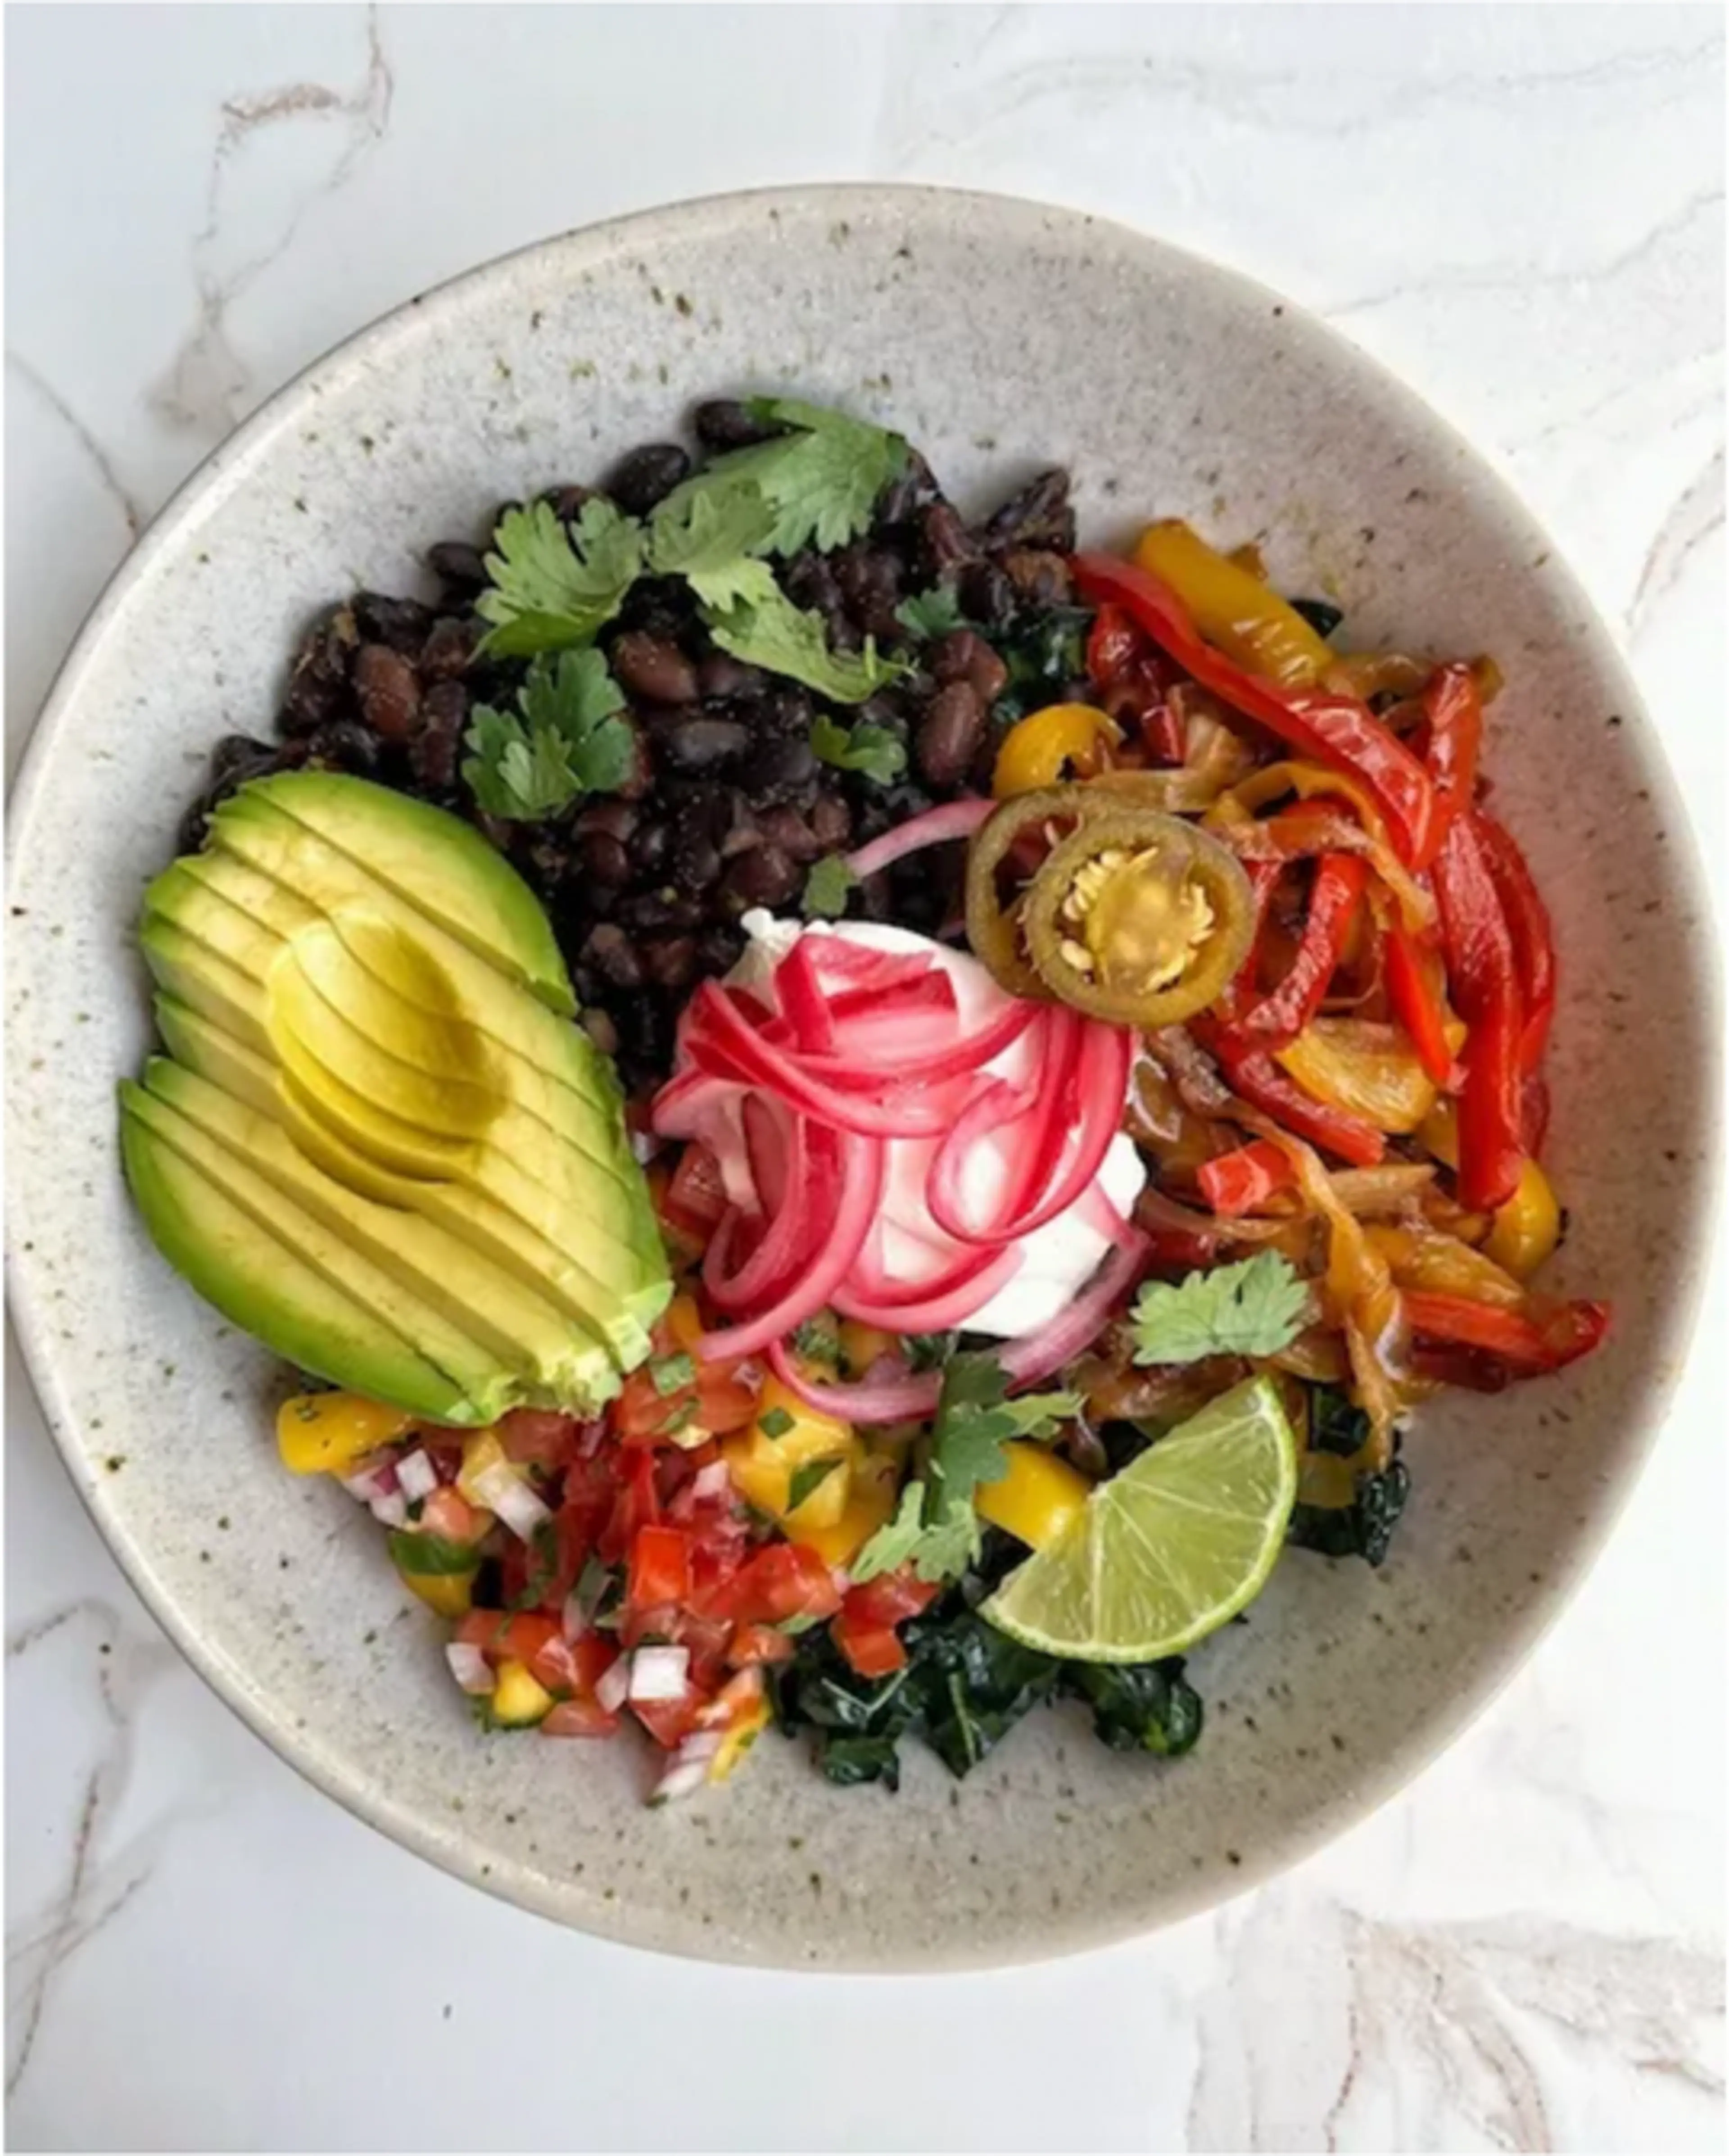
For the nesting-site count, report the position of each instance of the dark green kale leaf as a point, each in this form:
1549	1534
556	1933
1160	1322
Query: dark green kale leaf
1364	1528
1139	1706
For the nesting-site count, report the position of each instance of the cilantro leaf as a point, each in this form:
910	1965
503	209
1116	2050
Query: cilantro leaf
822	479
1254	1308
563	739
828	888
930	614
707	530
776	1423
895	1541
552	589
764	629
864	747
806	1478
429	1556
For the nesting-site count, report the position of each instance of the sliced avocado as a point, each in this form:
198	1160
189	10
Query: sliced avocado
207	1048
258	1283
506	1318
205	982
479	1372
435	863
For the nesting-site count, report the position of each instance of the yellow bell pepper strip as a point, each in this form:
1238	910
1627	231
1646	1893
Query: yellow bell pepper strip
1363	1068
329	1433
1332	729
1527	1228
1425	1260
1037	1499
1236	613
1038	750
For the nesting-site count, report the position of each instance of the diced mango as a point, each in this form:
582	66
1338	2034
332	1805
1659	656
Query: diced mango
482	1451
519	1698
450	1594
684	1322
738	1740
861	1345
329	1433
870	1500
1039	1496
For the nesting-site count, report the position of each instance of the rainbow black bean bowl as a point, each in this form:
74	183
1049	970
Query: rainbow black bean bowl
998	336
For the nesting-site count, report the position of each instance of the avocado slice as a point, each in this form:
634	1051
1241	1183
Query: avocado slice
338	1076
435	863
204	1048
259	1283
507	1318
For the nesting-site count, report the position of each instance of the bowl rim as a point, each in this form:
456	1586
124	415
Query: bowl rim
228	463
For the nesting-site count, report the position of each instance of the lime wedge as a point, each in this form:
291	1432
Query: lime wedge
1168	1550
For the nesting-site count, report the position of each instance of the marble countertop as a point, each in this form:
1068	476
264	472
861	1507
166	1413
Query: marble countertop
1521	210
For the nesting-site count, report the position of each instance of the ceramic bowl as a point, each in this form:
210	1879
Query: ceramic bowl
998	335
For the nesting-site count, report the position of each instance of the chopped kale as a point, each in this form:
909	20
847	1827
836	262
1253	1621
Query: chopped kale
1320	614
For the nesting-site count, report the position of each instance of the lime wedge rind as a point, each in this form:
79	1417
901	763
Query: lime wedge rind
1169	1550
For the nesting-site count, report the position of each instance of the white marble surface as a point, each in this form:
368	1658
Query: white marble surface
1522	209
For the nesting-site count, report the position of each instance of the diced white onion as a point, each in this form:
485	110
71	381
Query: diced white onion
714	1481
572	1620
680	1780
644	1145
364	1487
659	1672
700	1748
468	1667
416	1476
613	1687
390	1510
516	1504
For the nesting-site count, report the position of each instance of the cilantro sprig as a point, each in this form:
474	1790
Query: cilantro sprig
555	588
1254	1308
864	747
826	889
762	627
934	1526
930	614
563	739
821	478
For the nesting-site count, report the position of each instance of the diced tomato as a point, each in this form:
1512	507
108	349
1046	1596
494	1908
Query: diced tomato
695	1196
752	1644
537	1437
717	1402
891	1598
591	1657
783	1580
669	1721
636	1505
579	1718
872	1651
448	1514
1239	1180
659	1568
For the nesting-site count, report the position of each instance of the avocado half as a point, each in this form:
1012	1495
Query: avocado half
377	1143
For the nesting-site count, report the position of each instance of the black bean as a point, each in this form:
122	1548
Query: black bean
723	422
784	710
642	480
765	876
945	543
448	648
344	745
388	691
650	843
1038	515
986	595
654	667
1042	579
639	779
695	747
695	848
318	682
779	771
912	489
603	860
787	829
948	734
433	752
810	582
612	955
718	949
736	830
663	606
547	860
646	1026
831	821
963	655
458	566
234	751
670	961
618	819
869	581
721	678
402	624
655	911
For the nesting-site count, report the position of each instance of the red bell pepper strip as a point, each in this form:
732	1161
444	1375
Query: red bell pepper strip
1414	993
1485	983
1338	730
1281	1014
1454	703
1528	1344
1132	676
1262	876
1259	1081
1527	920
1238	1182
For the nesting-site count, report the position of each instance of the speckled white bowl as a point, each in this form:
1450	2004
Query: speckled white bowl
996	334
